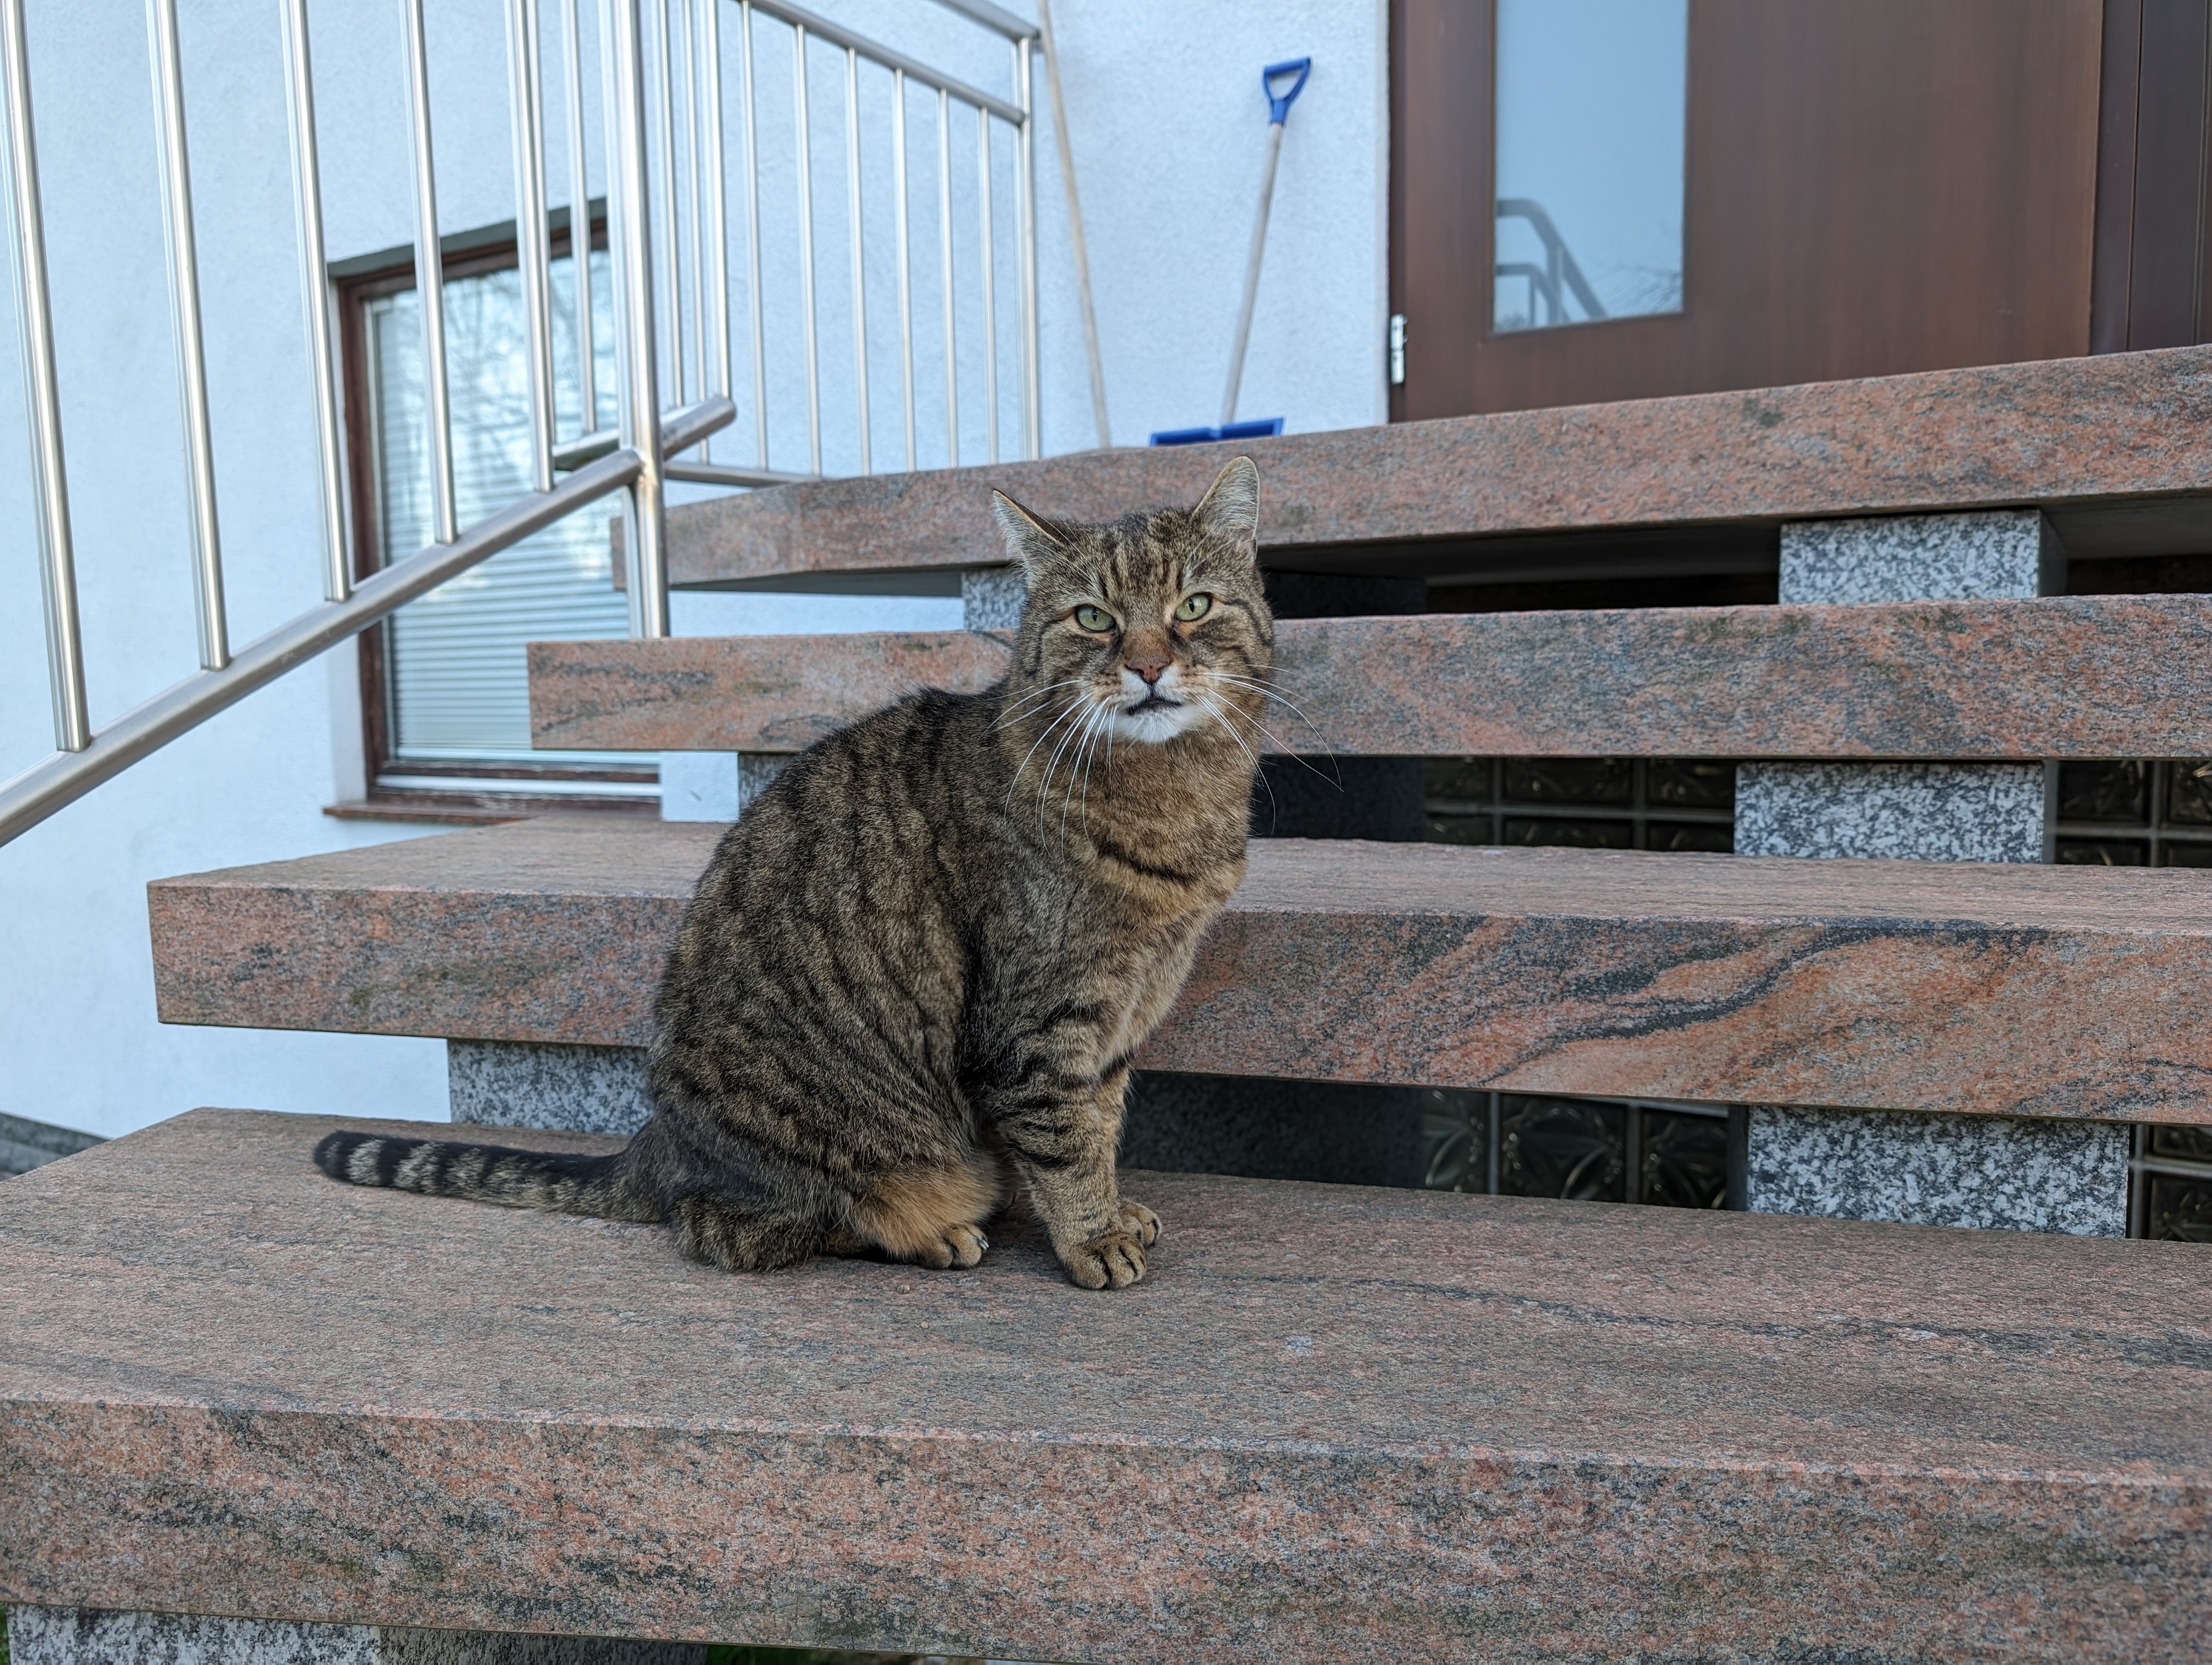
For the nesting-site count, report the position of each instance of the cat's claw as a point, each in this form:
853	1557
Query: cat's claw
961	1247
1115	1258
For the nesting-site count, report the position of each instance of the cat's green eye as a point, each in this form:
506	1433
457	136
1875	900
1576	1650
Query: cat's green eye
1194	606
1095	618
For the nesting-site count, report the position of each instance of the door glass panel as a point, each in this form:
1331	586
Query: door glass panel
1592	96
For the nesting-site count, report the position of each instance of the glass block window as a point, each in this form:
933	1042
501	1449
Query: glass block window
1592	101
1586	803
2155	813
1583	1150
2171	1193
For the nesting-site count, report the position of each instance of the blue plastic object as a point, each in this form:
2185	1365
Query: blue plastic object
1259	427
1278	104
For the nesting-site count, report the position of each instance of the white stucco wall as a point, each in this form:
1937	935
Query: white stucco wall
1168	124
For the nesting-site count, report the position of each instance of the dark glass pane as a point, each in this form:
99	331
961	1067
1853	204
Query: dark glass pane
2103	852
2182	1144
1693	783
2188	792
2178	1210
1574	835
1461	829
2104	792
1570	779
1689	835
1684	1160
2183	852
1458	779
1456	1126
1564	1147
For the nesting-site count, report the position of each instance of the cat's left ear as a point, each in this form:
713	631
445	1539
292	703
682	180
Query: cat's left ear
1229	511
1029	542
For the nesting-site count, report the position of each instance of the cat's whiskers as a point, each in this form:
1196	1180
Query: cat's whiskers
1219	712
1074	706
1100	717
1036	700
1044	787
1335	776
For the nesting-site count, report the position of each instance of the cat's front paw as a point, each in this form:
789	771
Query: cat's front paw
1115	1258
961	1246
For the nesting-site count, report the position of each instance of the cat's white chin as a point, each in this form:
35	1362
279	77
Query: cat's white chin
1156	723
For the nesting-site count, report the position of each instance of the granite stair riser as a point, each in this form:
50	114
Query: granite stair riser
2072	677
2021	992
2067	434
64	1636
1331	1419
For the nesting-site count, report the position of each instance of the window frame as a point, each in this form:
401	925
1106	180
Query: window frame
396	786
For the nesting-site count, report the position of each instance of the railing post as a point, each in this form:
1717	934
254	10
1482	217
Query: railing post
315	296
580	225
42	394
645	524
533	254
1025	160
430	279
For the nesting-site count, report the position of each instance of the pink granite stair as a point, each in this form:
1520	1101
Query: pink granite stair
2089	677
1332	1423
2018	990
2110	446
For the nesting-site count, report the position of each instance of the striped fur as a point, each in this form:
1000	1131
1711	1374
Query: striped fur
911	981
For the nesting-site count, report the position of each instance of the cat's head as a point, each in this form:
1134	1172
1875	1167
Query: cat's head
1150	627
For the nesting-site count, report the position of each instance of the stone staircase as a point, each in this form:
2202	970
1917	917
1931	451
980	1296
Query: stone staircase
1351	1423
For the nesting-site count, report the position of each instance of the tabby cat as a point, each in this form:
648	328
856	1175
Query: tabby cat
911	980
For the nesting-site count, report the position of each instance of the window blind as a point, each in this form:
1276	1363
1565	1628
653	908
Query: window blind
458	686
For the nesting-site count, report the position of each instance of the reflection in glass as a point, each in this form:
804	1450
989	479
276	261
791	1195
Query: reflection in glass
460	688
1591	105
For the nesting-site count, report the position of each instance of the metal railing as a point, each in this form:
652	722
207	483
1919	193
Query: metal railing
662	68
1560	273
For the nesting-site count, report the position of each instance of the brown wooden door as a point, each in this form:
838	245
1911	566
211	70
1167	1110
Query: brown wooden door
1873	186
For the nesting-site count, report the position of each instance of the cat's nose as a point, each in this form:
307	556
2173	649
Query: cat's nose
1150	666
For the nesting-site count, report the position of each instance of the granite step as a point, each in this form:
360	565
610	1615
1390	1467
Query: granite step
2016	990
2089	677
1332	1423
2109	446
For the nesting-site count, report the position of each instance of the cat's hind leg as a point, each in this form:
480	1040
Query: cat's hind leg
709	1229
933	1216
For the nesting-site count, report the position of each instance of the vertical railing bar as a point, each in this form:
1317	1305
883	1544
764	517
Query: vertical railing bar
984	219
944	278
860	267
533	253
315	295
34	336
807	253
1026	203
718	200
185	319
752	235
687	65
672	248
580	225
905	257
430	278
645	524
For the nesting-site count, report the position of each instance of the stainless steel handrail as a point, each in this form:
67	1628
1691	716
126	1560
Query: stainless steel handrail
1560	268
635	458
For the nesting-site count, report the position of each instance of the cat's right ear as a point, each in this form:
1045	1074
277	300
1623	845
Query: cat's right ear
1030	543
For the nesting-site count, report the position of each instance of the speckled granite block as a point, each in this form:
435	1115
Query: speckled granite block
1998	554
755	770
992	597
24	1144
1930	812
1988	1171
76	1636
583	1089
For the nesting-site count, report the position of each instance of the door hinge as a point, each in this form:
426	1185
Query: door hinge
1397	350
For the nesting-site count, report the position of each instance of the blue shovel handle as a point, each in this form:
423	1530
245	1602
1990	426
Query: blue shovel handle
1278	104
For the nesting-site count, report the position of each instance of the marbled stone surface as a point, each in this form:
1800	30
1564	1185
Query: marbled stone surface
2086	676
1996	990
992	599
1999	436
1332	1423
585	1089
1982	1171
1929	812
63	1636
1998	554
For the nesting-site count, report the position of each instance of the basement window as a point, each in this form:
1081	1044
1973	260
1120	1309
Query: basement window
445	682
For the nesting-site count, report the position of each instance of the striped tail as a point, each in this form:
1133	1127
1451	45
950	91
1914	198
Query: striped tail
558	1182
